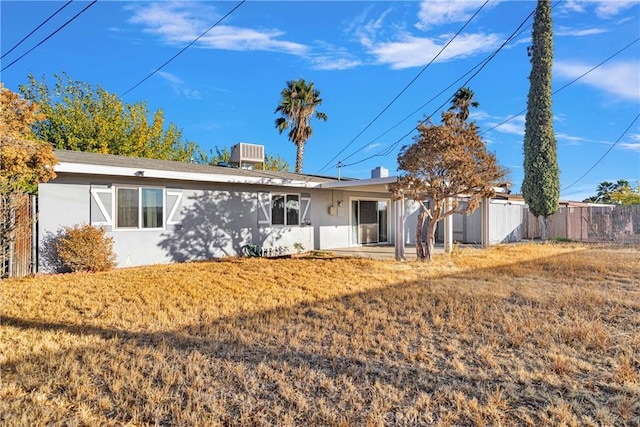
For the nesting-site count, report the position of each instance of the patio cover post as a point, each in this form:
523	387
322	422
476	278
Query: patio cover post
448	228
398	240
484	210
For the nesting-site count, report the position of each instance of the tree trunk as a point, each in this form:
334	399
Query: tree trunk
299	157
543	227
420	252
431	239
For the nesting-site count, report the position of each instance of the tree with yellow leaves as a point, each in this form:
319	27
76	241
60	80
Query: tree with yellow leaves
24	162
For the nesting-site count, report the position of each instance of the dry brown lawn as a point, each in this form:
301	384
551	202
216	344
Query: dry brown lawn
531	334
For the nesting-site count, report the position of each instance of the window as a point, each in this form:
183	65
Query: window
139	207
127	202
152	203
285	209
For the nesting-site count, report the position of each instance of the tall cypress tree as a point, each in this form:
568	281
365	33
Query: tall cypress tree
541	184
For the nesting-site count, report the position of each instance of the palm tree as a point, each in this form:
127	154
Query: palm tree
297	106
604	190
462	100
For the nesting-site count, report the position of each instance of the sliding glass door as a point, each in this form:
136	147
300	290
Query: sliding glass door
369	221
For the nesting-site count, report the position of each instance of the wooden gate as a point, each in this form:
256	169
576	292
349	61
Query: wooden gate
16	248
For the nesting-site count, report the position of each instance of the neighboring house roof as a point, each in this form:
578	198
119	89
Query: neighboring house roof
112	165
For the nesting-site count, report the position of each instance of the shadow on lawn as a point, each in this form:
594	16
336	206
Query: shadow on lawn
250	339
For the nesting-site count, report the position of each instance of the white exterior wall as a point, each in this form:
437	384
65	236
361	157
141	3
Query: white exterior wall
505	221
331	231
212	220
411	209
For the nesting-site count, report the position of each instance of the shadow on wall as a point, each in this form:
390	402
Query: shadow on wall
216	224
48	257
514	235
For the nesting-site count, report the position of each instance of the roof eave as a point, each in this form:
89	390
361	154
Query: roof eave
93	169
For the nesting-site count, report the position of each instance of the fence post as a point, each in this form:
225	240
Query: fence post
34	234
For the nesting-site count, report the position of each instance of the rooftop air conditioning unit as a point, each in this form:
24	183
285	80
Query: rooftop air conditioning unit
246	155
380	172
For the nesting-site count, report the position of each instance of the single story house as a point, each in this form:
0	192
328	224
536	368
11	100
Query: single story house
161	211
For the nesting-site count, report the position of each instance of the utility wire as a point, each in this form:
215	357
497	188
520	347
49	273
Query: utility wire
604	155
52	34
480	67
405	88
565	86
183	49
36	29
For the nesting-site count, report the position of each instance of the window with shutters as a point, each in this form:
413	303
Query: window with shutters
281	209
285	209
139	208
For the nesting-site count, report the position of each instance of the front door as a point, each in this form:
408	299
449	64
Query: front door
369	221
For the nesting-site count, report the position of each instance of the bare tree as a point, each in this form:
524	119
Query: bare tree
445	162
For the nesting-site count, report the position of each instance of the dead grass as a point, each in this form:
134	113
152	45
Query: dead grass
515	335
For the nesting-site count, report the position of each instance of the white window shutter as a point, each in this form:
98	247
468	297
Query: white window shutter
264	208
305	209
101	205
174	207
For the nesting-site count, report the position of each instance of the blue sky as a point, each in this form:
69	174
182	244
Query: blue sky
373	63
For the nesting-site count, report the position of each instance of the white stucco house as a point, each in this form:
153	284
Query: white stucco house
164	211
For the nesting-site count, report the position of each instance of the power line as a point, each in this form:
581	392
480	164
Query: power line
389	149
604	155
565	86
405	88
52	34
183	49
480	67
36	29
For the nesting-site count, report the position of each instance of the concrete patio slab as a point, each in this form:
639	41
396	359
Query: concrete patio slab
381	252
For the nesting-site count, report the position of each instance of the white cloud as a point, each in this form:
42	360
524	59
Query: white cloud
603	8
621	79
413	51
608	8
179	23
367	31
178	86
514	126
437	12
574	32
577	140
373	146
632	146
328	62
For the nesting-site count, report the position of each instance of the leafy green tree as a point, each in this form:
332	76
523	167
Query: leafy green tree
271	163
541	184
445	162
626	195
276	163
613	192
80	117
298	104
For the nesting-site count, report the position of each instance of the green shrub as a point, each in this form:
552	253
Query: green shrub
86	248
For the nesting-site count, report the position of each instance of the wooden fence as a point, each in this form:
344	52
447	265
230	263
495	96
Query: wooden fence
16	243
611	223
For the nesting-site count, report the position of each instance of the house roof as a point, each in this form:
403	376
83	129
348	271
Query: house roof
113	165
